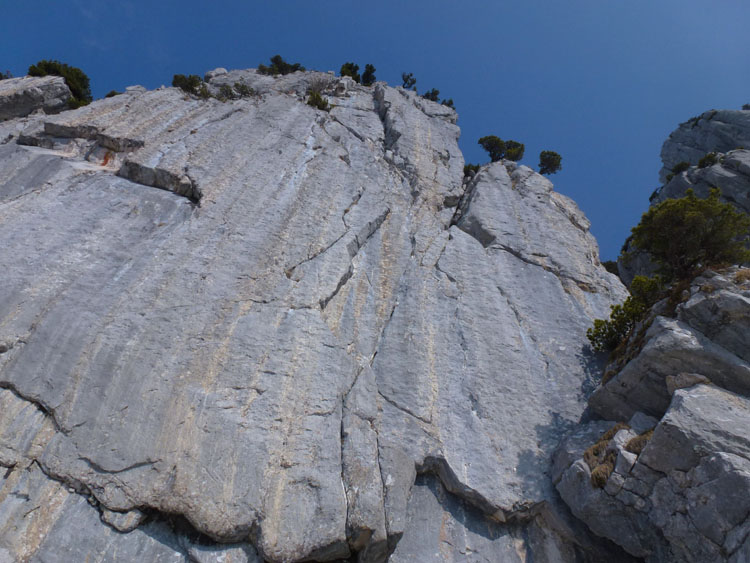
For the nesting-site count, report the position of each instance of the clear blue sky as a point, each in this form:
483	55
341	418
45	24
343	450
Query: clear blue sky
602	82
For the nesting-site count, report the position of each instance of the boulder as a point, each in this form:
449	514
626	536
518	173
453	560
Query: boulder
686	496
21	96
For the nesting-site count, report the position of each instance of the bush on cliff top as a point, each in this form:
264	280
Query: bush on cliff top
279	66
352	70
682	236
74	77
687	234
549	162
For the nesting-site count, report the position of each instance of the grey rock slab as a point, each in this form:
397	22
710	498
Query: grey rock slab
528	219
473	372
460	532
23	95
608	517
712	131
731	174
41	521
277	340
670	347
701	420
640	423
723	316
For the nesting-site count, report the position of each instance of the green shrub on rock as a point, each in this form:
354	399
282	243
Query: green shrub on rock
494	146
243	90
687	234
680	167
470	169
368	76
708	160
352	70
279	66
514	150
549	162
74	77
607	334
189	84
317	101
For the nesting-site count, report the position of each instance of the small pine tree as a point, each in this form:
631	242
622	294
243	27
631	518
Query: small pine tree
368	76
352	70
686	234
606	335
409	82
317	101
279	66
514	150
549	162
190	83
74	77
432	95
448	103
470	169
494	146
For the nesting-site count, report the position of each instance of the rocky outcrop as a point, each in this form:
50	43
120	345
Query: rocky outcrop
724	133
730	173
684	496
674	489
300	333
707	335
718	131
21	96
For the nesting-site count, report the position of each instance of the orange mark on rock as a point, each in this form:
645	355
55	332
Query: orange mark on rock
108	156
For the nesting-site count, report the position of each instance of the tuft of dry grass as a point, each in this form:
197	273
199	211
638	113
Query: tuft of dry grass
601	473
742	275
600	461
636	445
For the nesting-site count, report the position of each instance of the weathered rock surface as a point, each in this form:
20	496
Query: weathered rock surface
685	497
312	310
682	492
725	133
731	174
709	336
713	131
21	96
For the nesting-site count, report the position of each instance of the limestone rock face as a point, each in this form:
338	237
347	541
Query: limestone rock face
21	96
685	497
725	133
713	131
731	174
679	490
708	336
255	323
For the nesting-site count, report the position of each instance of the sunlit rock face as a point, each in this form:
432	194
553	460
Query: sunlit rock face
243	329
21	96
679	485
714	150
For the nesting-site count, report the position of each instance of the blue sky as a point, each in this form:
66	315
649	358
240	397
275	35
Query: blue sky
602	82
